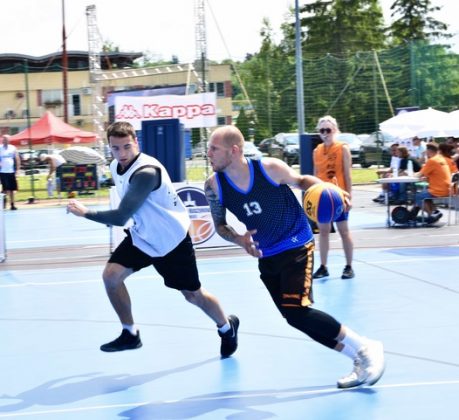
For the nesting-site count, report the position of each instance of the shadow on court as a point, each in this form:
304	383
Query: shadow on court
55	315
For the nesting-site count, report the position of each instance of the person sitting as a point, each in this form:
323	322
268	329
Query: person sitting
418	150
406	169
454	142
438	175
392	170
447	151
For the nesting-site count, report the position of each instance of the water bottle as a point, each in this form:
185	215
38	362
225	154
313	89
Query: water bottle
409	168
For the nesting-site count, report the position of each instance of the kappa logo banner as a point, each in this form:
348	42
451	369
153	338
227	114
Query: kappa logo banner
193	111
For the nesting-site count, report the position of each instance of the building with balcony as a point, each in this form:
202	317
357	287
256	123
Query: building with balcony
31	85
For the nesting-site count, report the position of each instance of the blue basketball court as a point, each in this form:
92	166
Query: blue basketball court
55	315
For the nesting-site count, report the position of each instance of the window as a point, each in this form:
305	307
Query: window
76	104
219	88
52	96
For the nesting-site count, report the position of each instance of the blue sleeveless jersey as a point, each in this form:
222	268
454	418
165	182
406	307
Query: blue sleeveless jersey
269	207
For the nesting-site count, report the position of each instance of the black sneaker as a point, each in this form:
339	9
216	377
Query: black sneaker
229	339
126	341
13	207
321	272
348	272
434	217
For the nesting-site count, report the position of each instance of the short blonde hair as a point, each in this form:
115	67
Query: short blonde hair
329	119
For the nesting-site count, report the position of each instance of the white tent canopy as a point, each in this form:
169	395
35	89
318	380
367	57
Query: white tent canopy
82	155
451	127
423	123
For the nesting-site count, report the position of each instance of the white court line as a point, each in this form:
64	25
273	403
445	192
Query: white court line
63	239
153	276
202	273
235	396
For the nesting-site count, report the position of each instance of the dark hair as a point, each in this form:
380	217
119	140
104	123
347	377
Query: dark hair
433	147
403	151
120	129
446	149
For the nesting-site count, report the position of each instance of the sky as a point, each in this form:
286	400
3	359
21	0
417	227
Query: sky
162	28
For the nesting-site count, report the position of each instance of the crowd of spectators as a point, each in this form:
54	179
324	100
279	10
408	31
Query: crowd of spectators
431	164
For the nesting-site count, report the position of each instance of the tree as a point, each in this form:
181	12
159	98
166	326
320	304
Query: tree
269	79
342	27
338	39
414	23
413	30
243	123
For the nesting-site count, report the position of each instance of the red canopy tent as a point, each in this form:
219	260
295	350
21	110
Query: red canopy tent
50	129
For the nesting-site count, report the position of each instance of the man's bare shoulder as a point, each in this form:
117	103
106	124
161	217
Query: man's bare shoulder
210	184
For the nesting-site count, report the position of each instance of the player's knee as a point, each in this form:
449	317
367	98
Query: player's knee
111	278
193	297
293	316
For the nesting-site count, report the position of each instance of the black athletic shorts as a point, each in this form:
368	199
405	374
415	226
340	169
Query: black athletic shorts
178	268
9	181
288	276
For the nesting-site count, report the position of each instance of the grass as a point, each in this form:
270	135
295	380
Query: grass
193	173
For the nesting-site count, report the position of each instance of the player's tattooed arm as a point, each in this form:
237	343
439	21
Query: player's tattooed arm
219	213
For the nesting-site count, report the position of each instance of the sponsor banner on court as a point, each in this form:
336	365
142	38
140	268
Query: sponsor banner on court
193	111
202	229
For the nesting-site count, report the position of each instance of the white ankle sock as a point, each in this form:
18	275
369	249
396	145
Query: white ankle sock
353	340
131	328
349	352
224	328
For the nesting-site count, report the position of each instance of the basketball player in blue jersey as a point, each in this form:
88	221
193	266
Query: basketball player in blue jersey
158	237
257	192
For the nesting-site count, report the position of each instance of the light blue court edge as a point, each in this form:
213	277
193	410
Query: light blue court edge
54	318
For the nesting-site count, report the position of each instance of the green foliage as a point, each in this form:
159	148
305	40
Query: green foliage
243	123
349	71
414	23
342	27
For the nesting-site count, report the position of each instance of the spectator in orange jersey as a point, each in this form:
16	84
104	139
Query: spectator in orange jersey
333	163
438	175
447	151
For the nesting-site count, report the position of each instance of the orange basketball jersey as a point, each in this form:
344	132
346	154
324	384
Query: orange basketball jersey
328	163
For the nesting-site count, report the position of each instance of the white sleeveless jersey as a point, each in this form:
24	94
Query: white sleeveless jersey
162	221
7	158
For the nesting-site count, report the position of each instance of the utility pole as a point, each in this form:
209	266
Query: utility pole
64	65
299	71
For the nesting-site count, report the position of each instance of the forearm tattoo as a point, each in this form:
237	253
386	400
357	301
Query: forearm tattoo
219	215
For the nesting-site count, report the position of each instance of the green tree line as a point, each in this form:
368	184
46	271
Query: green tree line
355	67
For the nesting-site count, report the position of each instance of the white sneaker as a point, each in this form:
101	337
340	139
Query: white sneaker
357	377
368	366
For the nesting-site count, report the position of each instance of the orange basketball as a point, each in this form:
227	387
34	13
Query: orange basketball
324	202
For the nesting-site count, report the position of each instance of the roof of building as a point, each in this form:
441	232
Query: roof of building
77	60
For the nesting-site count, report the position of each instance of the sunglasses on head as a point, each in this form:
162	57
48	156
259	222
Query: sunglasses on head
325	130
